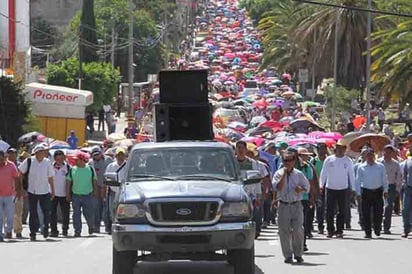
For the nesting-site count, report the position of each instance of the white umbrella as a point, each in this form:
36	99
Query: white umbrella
4	146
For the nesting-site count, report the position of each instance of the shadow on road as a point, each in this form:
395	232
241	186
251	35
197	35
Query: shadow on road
307	264
187	267
264	256
315	253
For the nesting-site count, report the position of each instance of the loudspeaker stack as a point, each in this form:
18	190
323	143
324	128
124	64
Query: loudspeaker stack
184	111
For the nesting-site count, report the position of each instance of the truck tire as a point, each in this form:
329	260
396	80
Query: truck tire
123	261
243	260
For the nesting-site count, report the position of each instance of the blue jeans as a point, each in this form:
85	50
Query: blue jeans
82	203
100	211
389	207
407	208
7	213
257	216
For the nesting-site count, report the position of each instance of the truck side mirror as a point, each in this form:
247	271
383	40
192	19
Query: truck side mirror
252	177
111	179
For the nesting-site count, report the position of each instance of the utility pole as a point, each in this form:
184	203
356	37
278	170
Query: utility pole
368	66
335	69
165	33
112	57
130	65
80	56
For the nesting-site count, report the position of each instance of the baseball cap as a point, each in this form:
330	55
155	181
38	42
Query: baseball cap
81	156
38	148
11	150
283	145
96	150
120	150
303	151
367	150
390	147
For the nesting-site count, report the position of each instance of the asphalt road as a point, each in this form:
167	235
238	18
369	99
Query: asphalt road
353	254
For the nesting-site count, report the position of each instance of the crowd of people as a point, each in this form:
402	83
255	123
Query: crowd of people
43	182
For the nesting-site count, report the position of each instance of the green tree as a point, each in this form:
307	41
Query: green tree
14	111
306	34
392	69
115	14
100	78
88	36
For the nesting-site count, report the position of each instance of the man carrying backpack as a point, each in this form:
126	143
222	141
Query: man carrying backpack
61	169
80	188
40	173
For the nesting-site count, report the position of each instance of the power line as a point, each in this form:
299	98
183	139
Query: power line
355	8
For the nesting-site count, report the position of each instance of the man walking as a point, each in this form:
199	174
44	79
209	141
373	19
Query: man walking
61	169
290	185
72	140
372	179
81	185
19	199
118	167
99	164
40	183
317	162
393	170
254	190
9	187
407	194
336	177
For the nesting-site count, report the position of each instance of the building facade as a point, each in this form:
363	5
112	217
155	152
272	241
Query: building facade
58	13
15	35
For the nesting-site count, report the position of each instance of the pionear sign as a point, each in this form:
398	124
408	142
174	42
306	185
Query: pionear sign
48	94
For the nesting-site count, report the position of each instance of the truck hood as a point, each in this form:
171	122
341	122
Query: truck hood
141	191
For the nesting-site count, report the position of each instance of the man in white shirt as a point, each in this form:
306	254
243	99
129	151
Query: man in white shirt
40	189
118	167
337	177
61	169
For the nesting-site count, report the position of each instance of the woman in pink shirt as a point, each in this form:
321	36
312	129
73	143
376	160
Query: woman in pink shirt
9	184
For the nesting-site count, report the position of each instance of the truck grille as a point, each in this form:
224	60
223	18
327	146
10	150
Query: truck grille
183	212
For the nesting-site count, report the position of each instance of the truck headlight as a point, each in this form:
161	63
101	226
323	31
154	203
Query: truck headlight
242	209
128	211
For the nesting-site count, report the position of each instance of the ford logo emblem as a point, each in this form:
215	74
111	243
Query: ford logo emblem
183	211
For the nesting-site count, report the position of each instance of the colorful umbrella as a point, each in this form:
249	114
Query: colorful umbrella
376	141
57	144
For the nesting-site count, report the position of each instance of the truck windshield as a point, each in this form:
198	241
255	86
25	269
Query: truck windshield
182	163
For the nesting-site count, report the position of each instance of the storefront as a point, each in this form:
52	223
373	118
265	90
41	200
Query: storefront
60	109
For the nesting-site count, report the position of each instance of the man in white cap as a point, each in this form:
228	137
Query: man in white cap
337	176
40	184
117	166
290	185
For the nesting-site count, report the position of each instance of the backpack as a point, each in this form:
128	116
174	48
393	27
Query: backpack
26	175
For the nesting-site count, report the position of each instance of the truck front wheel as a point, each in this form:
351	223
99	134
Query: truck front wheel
123	261
243	260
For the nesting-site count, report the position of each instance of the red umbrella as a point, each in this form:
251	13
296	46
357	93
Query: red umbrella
271	124
261	103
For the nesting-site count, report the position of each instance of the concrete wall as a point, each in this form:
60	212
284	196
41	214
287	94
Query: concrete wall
56	12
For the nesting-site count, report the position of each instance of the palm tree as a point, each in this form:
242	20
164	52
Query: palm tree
304	35
392	69
276	27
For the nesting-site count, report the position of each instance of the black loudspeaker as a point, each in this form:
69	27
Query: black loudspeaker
183	87
183	122
162	125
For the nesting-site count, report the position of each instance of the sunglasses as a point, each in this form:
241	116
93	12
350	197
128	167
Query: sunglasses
288	160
